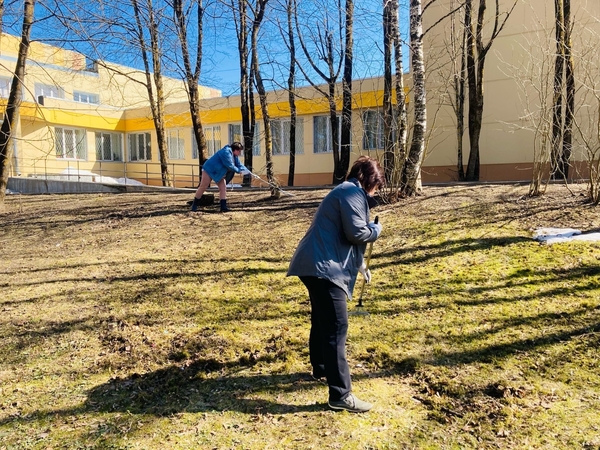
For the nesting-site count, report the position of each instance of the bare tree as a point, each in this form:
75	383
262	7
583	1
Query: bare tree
388	112
240	18
477	52
151	57
259	14
11	114
346	144
401	111
564	92
290	10
411	172
192	74
323	37
456	78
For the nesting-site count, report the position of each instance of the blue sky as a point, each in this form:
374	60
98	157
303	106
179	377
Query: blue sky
220	66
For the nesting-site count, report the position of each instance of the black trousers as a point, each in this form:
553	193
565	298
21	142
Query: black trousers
328	332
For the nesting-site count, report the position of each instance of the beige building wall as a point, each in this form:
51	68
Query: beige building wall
518	65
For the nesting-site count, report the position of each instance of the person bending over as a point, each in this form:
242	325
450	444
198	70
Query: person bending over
327	261
216	168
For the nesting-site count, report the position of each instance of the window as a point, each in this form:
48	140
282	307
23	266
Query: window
48	90
235	134
281	136
213	141
322	134
84	97
109	147
372	130
70	143
5	86
140	148
256	140
175	144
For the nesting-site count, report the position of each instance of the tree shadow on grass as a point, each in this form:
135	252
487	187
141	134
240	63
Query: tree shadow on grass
172	391
190	388
185	388
423	253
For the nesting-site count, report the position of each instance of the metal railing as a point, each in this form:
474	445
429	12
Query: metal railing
147	172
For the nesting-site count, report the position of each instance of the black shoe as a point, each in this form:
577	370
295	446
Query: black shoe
224	207
195	204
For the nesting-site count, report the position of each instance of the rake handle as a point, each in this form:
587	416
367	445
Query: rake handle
367	264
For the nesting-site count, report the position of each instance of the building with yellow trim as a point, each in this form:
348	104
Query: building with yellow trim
96	117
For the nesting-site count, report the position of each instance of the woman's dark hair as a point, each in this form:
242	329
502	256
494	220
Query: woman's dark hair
368	172
237	146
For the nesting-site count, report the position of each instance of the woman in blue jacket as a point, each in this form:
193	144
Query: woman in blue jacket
215	168
327	260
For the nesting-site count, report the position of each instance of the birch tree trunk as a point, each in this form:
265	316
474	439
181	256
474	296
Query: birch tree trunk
401	112
411	174
388	111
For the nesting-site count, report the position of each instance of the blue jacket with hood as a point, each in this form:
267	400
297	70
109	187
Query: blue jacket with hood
218	164
334	245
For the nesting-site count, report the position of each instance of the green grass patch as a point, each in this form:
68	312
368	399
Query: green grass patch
129	323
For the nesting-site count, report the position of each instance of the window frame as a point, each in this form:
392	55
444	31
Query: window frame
373	139
8	81
147	146
89	95
328	132
62	139
255	140
40	91
175	135
112	139
284	139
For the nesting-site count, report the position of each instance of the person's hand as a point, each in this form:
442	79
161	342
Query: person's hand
245	172
377	226
366	273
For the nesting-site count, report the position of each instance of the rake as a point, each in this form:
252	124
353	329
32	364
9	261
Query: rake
359	311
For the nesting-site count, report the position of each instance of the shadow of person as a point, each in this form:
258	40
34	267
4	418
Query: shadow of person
178	389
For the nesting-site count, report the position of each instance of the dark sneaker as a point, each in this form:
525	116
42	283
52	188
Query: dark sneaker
350	403
195	204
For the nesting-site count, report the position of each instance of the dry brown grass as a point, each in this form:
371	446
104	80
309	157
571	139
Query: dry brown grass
128	322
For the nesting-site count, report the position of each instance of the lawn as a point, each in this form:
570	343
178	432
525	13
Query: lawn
129	323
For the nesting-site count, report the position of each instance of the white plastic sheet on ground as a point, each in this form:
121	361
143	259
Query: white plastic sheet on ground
554	235
85	175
